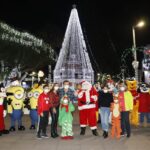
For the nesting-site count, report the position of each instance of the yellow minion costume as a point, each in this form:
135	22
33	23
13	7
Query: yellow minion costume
15	98
33	99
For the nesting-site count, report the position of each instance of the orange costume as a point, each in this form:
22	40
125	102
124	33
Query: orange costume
116	124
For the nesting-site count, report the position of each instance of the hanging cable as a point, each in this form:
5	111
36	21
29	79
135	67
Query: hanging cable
89	48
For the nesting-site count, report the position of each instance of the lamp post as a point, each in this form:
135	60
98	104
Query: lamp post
98	76
135	63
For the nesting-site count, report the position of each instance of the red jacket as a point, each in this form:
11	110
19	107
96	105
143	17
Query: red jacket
144	102
54	99
43	103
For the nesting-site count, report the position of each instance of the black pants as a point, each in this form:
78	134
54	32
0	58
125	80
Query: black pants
43	122
54	119
125	123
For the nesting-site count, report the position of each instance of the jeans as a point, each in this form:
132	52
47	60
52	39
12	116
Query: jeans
142	115
54	119
104	113
16	116
33	116
125	123
42	123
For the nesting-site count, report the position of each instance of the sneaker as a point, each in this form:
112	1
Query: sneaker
39	137
64	137
32	127
70	137
45	136
12	128
105	135
128	135
122	134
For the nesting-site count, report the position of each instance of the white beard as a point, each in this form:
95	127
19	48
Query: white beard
87	95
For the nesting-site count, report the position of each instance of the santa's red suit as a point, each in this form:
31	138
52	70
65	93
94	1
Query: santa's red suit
87	108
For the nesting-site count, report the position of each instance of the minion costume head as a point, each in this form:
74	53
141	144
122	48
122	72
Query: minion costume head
15	97
34	94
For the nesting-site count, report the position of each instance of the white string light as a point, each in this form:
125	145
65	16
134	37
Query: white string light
23	38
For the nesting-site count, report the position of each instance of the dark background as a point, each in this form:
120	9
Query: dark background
107	26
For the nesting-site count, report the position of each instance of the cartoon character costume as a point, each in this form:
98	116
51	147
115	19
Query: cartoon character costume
134	116
116	116
144	104
87	99
15	99
65	119
32	104
3	111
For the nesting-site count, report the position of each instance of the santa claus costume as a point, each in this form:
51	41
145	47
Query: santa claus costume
87	98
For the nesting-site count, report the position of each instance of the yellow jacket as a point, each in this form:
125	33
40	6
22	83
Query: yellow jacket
128	100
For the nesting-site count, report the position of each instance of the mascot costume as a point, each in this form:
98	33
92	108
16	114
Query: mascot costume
31	104
116	116
15	100
65	118
144	103
87	99
3	110
132	87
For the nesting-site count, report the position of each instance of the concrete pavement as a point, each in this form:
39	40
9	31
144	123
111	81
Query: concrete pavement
26	140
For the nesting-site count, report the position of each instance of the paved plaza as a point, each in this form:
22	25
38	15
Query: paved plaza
26	140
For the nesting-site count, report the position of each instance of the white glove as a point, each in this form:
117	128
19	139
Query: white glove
4	113
80	95
94	97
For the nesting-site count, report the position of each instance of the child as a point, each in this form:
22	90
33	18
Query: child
116	124
65	118
43	112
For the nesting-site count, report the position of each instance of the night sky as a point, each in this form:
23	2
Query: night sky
107	26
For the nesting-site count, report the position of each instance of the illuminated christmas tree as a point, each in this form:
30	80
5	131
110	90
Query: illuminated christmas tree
73	62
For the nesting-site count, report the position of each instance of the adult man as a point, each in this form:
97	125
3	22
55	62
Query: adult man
66	90
126	103
87	98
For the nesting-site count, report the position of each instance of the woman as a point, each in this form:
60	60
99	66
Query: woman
54	109
105	99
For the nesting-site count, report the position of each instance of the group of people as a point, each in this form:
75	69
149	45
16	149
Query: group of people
59	103
96	103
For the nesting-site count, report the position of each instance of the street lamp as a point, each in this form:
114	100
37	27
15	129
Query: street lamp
135	63
98	76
